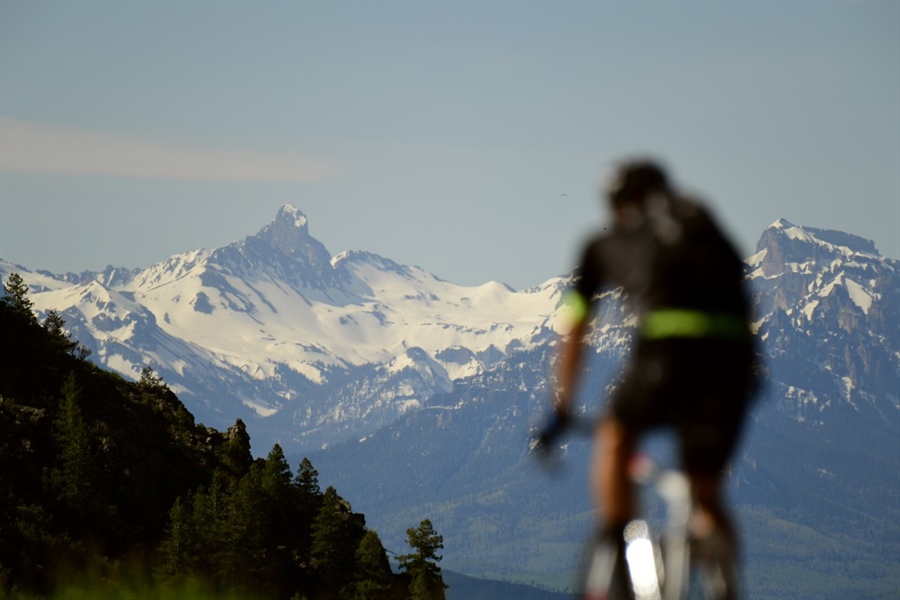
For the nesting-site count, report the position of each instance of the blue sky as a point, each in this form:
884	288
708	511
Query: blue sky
465	137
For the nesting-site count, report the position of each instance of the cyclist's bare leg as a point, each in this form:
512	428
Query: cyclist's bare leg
710	515
613	495
612	488
712	523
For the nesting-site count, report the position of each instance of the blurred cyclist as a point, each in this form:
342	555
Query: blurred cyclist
691	368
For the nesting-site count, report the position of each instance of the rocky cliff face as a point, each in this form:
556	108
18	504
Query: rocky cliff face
828	308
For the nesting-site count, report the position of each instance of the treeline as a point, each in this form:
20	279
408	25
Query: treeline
103	479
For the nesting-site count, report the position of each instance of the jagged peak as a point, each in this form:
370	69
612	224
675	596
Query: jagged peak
782	228
418	360
781	223
289	221
289	234
291	214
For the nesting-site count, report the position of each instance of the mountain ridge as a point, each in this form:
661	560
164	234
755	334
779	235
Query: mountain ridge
400	374
273	324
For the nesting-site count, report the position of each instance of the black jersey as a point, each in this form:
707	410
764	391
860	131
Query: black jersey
692	368
676	256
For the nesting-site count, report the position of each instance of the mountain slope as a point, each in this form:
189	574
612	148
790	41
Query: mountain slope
830	295
816	479
274	327
425	390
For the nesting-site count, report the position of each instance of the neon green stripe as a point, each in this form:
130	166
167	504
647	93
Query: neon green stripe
577	304
682	322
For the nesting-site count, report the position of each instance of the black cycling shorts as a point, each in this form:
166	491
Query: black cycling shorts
698	386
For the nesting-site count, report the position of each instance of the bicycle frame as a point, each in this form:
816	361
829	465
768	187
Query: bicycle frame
655	570
658	565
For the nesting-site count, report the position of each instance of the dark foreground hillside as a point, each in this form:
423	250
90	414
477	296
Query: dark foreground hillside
108	488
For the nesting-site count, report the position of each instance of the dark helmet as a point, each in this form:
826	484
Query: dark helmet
634	180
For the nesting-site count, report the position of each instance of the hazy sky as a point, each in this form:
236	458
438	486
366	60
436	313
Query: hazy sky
463	137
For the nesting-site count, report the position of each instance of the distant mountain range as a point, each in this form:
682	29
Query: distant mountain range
816	482
424	392
306	347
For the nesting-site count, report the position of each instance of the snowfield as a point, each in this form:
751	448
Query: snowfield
275	327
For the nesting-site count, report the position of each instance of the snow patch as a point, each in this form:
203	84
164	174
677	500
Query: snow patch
780	224
291	211
120	364
404	361
308	371
808	309
798	233
755	325
859	295
407	405
262	411
848	390
756	260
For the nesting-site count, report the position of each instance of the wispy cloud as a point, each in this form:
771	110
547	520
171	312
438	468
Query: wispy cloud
39	148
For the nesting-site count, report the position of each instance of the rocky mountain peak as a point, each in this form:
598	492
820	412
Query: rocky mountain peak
284	245
784	245
289	233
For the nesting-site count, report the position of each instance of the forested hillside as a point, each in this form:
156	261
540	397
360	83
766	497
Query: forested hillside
107	484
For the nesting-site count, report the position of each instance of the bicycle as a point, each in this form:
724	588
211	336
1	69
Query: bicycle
658	565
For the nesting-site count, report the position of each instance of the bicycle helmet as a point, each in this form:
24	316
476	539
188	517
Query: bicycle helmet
634	180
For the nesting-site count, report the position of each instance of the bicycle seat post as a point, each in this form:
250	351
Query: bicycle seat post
675	490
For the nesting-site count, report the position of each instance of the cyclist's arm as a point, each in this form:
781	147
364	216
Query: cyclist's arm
571	355
578	300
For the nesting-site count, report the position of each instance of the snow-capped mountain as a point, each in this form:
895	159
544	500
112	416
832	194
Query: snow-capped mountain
829	321
815	478
311	348
273	326
433	386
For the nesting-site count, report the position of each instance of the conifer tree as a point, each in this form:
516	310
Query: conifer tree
240	532
74	477
207	506
308	479
179	545
426	581
276	476
53	324
151	382
333	541
281	499
372	580
309	501
15	297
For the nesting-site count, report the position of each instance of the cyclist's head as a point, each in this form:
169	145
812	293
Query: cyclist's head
632	182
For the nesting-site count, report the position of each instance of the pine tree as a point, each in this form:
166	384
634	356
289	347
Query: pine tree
206	515
22	340
53	324
308	479
74	478
179	545
151	382
372	580
15	297
309	502
243	540
333	543
426	580
281	499
276	476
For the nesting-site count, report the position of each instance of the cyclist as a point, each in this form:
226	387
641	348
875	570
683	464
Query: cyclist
691	367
